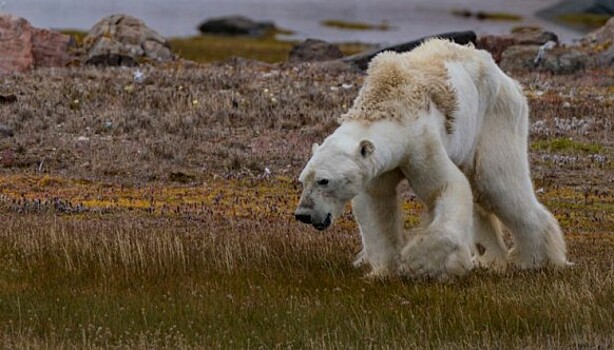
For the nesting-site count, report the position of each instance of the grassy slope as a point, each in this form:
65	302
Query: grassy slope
218	261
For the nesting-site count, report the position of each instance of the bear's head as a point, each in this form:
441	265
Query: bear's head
336	173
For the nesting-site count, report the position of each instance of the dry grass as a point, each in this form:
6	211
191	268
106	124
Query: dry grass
162	228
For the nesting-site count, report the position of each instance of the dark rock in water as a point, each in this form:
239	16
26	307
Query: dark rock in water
122	40
314	50
235	25
532	36
362	60
6	131
601	7
558	60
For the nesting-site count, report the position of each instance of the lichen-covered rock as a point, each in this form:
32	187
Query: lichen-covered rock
314	50
124	40
15	44
235	25
107	52
559	60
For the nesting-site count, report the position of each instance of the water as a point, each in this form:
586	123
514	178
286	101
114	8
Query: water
409	19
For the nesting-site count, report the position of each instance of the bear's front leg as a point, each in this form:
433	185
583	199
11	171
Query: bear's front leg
443	246
377	211
437	252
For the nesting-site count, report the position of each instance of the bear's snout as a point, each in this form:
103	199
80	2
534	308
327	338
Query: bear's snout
324	224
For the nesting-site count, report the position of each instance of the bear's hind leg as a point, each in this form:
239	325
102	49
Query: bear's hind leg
504	187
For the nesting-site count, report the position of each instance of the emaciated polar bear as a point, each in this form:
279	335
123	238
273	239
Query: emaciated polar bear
448	120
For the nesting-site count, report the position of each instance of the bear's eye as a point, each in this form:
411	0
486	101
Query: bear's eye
323	182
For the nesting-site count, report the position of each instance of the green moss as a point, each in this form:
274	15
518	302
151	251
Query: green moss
78	35
333	23
586	20
208	48
562	144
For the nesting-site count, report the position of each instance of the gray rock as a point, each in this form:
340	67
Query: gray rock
6	131
559	60
107	52
314	50
124	40
235	25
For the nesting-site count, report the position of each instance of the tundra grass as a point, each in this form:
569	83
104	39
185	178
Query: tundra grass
225	265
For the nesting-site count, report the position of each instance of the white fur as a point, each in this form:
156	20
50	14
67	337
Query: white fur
488	142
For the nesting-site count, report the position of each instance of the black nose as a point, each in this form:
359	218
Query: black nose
305	218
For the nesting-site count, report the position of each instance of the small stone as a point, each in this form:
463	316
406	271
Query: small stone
6	131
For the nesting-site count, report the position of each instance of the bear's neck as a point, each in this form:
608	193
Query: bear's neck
388	139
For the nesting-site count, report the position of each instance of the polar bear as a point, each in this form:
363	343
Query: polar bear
447	119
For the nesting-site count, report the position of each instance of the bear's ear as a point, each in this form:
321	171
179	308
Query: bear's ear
314	148
366	148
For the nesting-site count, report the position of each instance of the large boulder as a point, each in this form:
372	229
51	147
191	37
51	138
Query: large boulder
601	7
313	50
124	40
23	47
235	25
